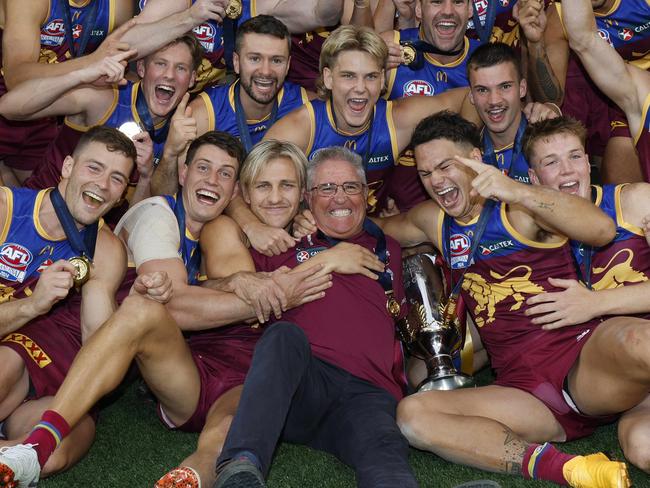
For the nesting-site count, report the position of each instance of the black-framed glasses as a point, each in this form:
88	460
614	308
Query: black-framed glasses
330	189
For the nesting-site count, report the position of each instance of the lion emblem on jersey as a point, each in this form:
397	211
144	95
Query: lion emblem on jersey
515	283
619	274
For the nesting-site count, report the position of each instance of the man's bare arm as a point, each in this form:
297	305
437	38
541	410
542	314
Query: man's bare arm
311	15
625	84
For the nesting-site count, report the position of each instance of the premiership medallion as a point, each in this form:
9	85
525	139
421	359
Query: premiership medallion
234	9
392	305
82	266
409	53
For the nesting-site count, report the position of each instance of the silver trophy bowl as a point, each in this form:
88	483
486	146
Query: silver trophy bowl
424	331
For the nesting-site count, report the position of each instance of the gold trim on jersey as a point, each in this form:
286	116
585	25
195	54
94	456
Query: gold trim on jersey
620	219
209	108
453	64
330	118
523	239
134	109
438	244
312	127
645	115
599	195
10	212
392	132
304	97
81	4
112	12
102	121
253	8
37	221
615	6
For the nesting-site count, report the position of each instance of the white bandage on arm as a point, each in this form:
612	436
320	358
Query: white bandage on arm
152	231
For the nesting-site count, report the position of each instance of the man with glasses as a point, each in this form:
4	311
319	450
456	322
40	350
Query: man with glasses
329	374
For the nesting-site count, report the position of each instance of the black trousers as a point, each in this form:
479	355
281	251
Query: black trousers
291	395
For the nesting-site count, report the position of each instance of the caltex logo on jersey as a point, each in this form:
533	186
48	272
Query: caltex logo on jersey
303	255
625	34
504	3
44	265
417	87
14	260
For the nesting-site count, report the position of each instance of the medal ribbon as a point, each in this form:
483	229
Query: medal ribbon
86	27
484	31
421	47
584	267
229	32
242	124
82	242
386	276
479	230
157	136
193	261
489	153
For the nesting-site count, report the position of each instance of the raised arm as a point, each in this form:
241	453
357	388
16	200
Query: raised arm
21	44
414	227
625	84
64	94
310	15
542	213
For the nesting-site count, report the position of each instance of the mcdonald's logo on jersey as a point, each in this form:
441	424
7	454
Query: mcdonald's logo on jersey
351	144
441	76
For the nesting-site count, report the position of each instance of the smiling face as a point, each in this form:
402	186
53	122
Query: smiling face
208	183
262	65
166	76
94	181
275	195
448	182
340	216
560	161
444	22
496	92
355	80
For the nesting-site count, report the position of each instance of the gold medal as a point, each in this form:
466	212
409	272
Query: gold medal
392	305
409	53
82	266
234	9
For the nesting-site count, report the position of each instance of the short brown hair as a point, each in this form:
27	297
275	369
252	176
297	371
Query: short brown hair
112	138
549	127
224	141
349	38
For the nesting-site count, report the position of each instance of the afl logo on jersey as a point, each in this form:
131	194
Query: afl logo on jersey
625	34
204	32
604	35
55	28
417	87
481	6
14	260
459	246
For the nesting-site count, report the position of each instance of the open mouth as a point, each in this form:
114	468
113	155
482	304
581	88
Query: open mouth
446	27
207	197
165	92
264	84
497	114
570	187
92	198
357	105
447	197
340	212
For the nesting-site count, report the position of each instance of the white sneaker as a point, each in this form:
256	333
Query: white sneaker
19	466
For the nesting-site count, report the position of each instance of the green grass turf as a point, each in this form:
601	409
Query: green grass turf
132	450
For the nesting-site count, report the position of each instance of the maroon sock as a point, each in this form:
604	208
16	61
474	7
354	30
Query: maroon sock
47	434
544	462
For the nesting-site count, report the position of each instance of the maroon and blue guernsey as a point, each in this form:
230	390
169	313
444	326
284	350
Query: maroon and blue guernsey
350	327
625	260
509	269
305	57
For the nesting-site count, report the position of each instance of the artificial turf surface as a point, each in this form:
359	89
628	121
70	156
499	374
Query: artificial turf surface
132	450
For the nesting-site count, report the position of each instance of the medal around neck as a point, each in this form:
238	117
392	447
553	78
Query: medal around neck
82	267
431	330
234	9
130	129
409	53
392	305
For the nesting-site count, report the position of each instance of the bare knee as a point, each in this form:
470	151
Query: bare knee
634	436
140	315
412	414
633	340
14	381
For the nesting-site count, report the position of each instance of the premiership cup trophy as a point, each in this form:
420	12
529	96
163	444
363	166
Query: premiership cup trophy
426	333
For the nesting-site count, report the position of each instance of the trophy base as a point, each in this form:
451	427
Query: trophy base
449	382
